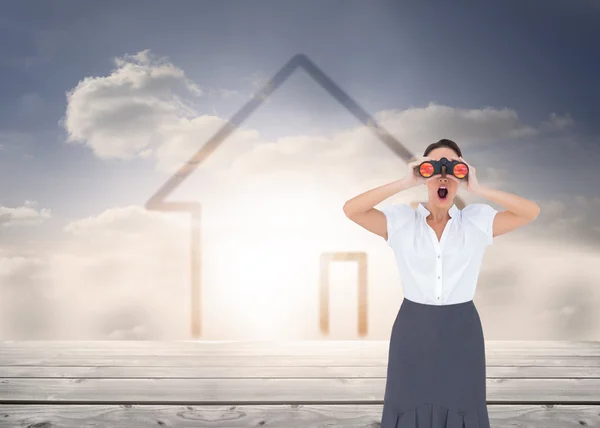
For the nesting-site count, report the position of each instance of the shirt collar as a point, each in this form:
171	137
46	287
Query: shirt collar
421	208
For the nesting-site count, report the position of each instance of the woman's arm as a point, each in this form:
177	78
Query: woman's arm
365	201
519	211
361	211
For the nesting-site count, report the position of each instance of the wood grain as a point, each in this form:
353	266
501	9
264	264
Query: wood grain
272	384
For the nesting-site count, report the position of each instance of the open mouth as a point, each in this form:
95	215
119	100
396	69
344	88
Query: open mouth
442	193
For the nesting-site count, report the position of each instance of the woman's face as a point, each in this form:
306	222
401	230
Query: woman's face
436	197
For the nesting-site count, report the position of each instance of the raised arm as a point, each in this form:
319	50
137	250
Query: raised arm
361	211
519	211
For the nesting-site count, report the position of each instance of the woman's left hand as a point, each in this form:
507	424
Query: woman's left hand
470	183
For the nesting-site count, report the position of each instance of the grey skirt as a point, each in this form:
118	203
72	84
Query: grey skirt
436	368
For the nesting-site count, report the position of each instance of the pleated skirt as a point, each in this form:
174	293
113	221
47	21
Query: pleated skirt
436	368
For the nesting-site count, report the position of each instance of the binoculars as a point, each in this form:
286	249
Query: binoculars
456	168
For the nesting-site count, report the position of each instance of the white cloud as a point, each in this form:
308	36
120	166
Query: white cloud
539	288
17	265
496	177
140	110
423	125
125	114
24	215
126	262
121	274
357	152
186	136
571	213
124	274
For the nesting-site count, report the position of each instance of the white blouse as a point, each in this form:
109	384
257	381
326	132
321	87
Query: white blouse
444	272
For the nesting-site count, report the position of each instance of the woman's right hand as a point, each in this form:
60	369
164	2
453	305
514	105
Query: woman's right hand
413	178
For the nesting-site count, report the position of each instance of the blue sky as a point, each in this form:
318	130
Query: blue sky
514	83
534	59
388	55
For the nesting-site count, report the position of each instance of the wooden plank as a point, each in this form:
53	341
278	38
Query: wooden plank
274	390
272	372
273	416
92	344
99	360
589	348
295	348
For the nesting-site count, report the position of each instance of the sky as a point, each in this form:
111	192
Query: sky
101	103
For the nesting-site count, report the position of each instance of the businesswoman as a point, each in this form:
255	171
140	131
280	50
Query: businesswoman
436	370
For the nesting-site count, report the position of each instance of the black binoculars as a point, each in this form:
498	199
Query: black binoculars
456	168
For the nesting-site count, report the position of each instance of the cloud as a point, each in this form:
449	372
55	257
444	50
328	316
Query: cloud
115	275
357	153
124	274
141	109
558	123
18	265
125	114
120	274
569	217
465	126
539	289
23	215
495	177
184	137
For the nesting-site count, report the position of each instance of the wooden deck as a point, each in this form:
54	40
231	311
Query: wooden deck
271	384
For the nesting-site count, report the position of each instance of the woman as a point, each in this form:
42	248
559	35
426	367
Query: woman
436	370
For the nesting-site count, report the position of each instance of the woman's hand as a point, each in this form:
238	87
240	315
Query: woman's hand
471	183
413	178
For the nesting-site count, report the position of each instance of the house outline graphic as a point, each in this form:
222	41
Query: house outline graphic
157	201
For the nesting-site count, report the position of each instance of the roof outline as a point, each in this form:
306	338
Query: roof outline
157	200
